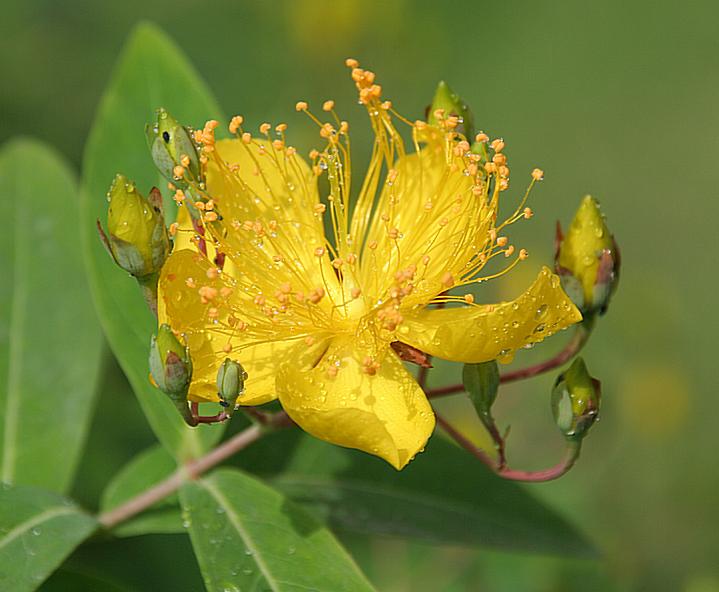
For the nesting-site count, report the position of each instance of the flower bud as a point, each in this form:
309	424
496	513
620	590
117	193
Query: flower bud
231	378
452	105
169	143
575	401
587	259
170	364
138	238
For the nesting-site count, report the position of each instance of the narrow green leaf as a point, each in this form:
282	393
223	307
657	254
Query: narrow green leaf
50	340
481	381
38	530
151	73
444	496
145	470
247	536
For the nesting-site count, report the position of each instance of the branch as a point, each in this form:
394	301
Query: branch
580	337
570	457
465	442
189	471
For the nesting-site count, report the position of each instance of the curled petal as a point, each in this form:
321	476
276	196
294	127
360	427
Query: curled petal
482	333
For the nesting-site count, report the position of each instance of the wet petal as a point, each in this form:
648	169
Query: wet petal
208	332
440	223
386	414
481	333
267	201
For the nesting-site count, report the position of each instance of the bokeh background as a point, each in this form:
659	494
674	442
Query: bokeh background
615	98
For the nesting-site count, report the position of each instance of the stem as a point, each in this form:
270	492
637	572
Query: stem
189	471
570	457
148	286
579	339
465	442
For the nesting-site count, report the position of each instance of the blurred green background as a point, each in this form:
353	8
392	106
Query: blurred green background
613	98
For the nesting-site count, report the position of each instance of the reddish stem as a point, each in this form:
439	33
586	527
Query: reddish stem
570	350
570	457
465	442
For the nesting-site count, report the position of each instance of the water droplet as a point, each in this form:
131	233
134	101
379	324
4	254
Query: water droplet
541	311
36	531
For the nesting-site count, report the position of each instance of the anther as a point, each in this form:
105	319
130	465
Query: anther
235	123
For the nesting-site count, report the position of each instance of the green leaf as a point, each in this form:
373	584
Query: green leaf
481	381
145	470
444	496
151	73
38	530
69	581
247	536
50	341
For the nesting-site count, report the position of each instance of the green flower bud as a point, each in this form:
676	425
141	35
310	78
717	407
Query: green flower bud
138	238
170	364
452	104
231	378
171	145
575	401
587	259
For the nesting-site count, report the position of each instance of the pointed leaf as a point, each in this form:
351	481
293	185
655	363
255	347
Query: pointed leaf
247	536
443	496
481	381
50	340
151	73
38	530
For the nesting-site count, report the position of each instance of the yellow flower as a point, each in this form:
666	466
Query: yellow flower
312	317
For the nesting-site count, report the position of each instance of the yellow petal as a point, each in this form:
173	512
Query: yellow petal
440	223
481	333
182	308
386	414
275	195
